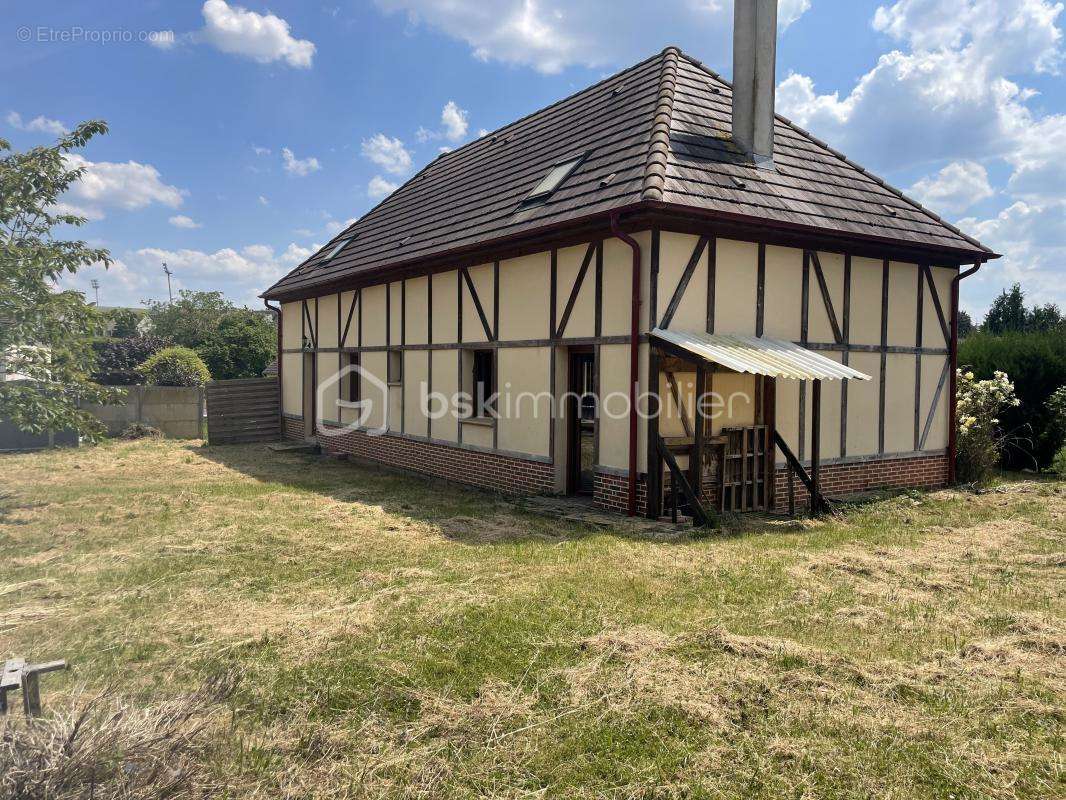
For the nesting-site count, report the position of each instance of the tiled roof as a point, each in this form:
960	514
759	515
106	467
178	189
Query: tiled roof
657	132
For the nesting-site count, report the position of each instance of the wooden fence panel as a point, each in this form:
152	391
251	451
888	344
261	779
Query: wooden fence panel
244	410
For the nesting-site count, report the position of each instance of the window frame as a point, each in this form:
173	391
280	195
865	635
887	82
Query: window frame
480	358
575	161
394	367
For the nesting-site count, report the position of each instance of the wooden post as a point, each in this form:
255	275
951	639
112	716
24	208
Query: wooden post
655	461
816	448
698	432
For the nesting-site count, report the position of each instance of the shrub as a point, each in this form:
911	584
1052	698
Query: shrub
175	366
1058	464
980	439
139	430
240	347
1037	364
117	359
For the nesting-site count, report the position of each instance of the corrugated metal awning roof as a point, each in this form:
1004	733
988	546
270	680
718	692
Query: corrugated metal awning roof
760	356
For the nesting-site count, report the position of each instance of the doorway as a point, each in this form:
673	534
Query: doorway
581	413
309	383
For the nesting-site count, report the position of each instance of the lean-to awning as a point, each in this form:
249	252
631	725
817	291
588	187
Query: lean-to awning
759	355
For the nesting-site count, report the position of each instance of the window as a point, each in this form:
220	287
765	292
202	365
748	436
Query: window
395	367
350	381
338	247
480	381
556	175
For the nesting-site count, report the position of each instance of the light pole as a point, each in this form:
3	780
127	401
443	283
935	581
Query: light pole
96	288
168	273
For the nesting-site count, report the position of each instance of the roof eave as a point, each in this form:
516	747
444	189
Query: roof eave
783	232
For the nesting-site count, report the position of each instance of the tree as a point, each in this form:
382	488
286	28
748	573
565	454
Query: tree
1007	314
117	360
241	347
124	323
1043	318
45	333
965	324
235	342
191	319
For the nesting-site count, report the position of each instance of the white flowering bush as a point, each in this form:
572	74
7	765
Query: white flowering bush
980	440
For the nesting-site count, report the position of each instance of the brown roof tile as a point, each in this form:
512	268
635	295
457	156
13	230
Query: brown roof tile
660	131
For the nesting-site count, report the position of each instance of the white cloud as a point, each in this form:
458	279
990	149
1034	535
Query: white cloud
36	125
164	40
1032	239
264	38
454	120
788	11
954	92
263	201
299	166
129	186
379	187
260	151
240	273
957	187
333	227
182	221
551	35
390	154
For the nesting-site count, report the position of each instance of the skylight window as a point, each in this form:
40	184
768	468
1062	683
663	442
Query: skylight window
556	175
337	247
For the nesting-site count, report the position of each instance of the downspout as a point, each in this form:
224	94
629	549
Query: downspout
634	363
277	316
953	378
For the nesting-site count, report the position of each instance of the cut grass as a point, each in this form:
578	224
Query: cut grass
398	638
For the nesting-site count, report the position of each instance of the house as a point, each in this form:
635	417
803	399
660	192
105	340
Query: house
658	241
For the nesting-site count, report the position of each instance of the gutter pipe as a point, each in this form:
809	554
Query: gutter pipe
953	377
277	315
634	367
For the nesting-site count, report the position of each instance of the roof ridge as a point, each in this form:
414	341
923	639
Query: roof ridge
833	151
662	120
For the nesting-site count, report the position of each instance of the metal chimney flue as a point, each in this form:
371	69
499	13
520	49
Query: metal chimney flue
754	80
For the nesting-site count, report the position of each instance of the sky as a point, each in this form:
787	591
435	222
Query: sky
244	136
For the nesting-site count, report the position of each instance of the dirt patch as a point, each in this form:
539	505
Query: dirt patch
488	530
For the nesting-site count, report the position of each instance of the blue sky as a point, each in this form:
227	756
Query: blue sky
244	135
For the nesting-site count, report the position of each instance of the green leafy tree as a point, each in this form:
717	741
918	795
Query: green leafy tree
124	322
1007	313
234	342
192	319
965	324
45	333
1043	318
175	366
241	347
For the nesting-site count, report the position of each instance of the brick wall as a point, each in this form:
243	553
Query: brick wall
501	473
611	492
838	480
292	428
513	475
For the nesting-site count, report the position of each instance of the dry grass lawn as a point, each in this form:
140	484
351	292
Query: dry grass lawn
397	638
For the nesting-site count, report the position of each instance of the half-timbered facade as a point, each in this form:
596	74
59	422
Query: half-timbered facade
622	245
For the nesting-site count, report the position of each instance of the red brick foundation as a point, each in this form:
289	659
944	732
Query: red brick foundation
514	475
501	473
611	492
840	480
292	428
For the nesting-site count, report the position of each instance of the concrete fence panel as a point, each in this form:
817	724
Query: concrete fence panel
176	410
